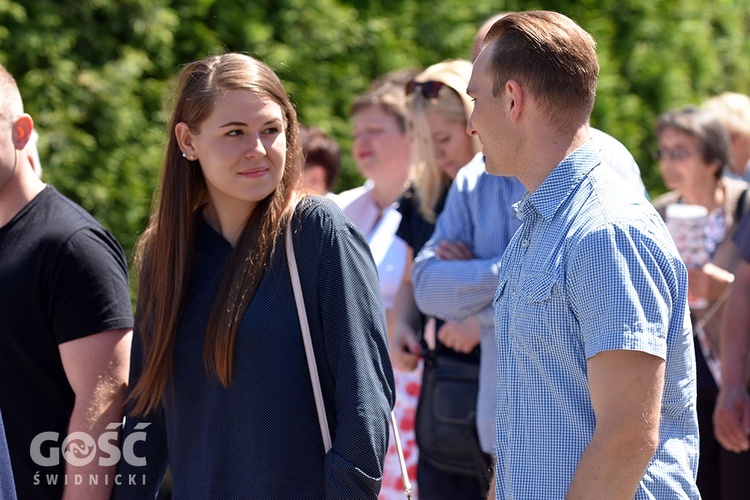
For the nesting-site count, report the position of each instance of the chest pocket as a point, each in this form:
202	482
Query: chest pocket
535	288
534	318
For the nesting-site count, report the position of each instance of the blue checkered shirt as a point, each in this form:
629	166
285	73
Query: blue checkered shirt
592	268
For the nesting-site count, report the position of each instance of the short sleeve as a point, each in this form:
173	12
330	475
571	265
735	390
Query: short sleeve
89	290
406	207
622	286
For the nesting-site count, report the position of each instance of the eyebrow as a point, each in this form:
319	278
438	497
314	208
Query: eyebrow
243	124
234	124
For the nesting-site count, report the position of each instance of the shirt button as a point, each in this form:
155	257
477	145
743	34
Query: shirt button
524	243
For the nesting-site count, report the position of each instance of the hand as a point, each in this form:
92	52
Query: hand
453	251
405	348
461	337
732	418
717	281
698	283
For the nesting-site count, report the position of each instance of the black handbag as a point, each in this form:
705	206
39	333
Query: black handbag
445	424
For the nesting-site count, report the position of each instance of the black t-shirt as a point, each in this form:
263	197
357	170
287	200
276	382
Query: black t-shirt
63	277
415	230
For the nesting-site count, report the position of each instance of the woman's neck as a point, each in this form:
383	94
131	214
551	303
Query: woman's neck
229	223
387	192
710	198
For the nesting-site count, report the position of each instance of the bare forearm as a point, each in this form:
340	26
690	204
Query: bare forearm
97	369
406	311
91	473
626	391
735	334
609	469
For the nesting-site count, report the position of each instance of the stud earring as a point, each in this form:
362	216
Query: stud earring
192	157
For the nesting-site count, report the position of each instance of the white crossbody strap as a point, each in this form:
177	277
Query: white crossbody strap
311	364
313	367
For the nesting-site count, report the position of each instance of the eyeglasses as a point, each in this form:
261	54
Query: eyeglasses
430	88
673	154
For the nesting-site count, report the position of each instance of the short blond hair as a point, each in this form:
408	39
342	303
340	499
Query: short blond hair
732	110
388	93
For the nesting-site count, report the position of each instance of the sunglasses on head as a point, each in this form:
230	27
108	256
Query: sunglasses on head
430	89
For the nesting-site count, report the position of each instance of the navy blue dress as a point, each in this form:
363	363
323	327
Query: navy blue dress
260	437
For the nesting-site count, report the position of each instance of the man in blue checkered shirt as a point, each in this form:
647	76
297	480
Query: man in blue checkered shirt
596	373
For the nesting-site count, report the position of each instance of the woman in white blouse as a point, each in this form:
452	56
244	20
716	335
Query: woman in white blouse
381	152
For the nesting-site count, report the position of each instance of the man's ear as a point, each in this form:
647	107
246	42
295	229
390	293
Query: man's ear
22	128
517	99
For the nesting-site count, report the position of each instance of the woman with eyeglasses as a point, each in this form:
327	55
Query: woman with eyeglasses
694	149
439	110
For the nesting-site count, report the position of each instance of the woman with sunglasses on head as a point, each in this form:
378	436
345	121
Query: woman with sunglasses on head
439	109
694	149
221	388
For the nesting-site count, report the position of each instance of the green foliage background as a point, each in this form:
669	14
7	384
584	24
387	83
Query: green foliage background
93	72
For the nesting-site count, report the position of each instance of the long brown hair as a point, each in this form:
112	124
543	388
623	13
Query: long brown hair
165	252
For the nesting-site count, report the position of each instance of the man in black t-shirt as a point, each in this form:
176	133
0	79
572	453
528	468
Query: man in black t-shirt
65	327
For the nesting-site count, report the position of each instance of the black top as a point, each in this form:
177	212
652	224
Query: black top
63	277
259	437
415	230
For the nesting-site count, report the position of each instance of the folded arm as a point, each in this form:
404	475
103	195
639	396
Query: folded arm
454	287
452	280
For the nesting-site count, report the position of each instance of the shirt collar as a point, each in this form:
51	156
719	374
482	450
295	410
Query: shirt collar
560	183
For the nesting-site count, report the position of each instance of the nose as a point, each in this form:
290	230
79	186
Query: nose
360	136
470	126
255	147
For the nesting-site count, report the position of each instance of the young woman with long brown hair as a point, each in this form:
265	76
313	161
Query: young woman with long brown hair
220	360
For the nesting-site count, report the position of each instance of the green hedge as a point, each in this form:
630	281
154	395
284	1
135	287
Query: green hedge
93	73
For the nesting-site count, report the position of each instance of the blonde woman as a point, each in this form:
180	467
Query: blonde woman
439	110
